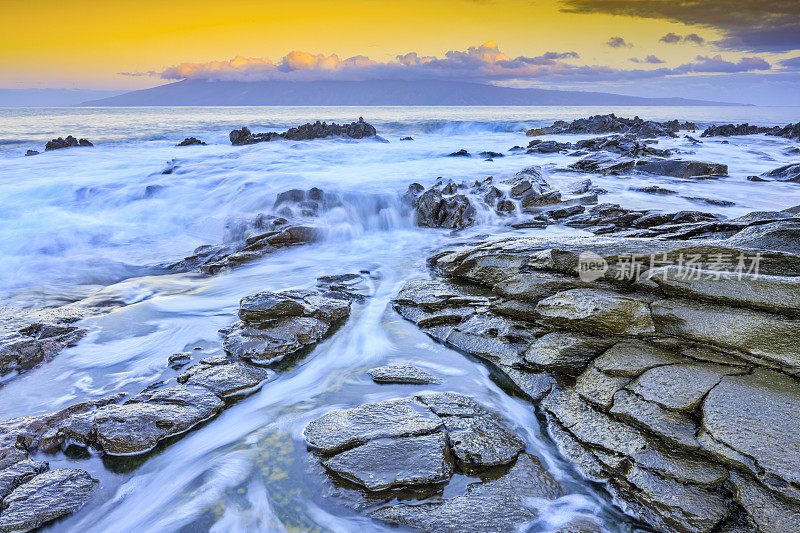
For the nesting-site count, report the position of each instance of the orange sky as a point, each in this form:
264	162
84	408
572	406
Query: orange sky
86	43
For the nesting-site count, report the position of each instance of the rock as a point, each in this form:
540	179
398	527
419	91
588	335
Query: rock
402	374
565	352
384	463
490	155
653	189
612	124
789	172
596	311
437	211
481	441
191	141
749	415
710	201
69	142
768	511
308	131
680	387
268	305
631	358
727	130
32	152
344	429
406	138
675	428
459	153
227	380
136	428
452	404
604	163
28	346
498	505
534	286
683	169
762	335
19	473
46	497
782	236
776	294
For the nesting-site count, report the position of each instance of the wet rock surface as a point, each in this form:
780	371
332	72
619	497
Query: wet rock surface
309	131
419	443
407	374
790	131
672	386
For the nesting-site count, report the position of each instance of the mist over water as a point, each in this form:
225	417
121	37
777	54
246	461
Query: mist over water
100	223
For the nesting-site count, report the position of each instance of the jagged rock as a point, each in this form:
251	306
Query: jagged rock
402	374
46	497
654	189
384	463
191	141
406	138
727	130
317	130
498	505
437	211
676	428
768	511
604	163
783	236
596	311
459	153
32	152
613	124
25	348
69	142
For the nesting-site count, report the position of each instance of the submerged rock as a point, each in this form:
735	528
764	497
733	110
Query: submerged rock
191	141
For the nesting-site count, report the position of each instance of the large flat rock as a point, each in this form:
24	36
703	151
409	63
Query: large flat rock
384	463
346	428
763	335
597	311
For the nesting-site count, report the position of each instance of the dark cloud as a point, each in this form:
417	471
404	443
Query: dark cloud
763	26
653	60
618	42
671	38
792	63
694	38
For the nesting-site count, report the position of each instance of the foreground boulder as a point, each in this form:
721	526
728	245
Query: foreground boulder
419	443
308	131
671	385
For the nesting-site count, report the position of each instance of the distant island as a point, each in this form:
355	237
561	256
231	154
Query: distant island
372	93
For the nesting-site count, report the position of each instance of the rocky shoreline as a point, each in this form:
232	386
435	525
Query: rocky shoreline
660	352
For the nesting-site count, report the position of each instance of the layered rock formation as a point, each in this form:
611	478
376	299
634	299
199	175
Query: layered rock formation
678	386
413	446
308	131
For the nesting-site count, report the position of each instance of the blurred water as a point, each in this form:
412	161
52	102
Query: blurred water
100	221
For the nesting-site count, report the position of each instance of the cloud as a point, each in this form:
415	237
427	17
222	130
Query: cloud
793	63
717	64
671	38
484	63
763	26
653	60
618	42
694	38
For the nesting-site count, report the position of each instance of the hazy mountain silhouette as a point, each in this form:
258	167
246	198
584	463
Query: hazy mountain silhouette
370	93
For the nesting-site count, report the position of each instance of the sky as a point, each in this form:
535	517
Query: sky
713	49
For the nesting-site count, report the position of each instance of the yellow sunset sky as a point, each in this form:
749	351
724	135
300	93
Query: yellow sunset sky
92	43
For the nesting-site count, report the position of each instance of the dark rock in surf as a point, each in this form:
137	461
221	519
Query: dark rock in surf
69	142
612	124
308	131
459	153
32	152
191	141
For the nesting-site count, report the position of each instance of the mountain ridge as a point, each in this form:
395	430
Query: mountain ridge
372	93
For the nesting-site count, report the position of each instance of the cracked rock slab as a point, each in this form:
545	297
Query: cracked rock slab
597	311
384	463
